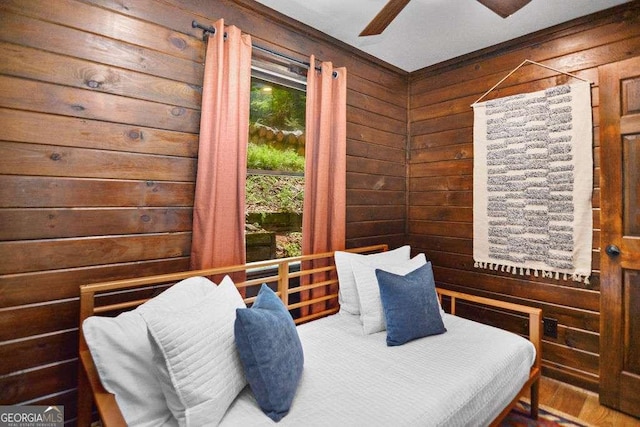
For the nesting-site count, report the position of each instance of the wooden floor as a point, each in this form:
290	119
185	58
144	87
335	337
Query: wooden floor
581	404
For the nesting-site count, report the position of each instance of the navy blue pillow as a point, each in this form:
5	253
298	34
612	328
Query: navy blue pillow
410	305
270	352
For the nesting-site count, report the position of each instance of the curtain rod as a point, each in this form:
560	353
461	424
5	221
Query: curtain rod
212	31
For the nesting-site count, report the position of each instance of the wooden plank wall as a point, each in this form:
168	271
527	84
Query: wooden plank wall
99	118
440	207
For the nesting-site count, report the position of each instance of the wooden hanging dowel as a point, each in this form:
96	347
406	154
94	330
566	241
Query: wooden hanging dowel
527	61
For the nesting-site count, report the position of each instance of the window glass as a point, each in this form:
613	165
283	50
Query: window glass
275	165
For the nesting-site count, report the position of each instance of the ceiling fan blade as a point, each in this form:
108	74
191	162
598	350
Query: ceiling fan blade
384	17
504	8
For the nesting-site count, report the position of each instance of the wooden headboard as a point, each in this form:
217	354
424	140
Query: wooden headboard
289	277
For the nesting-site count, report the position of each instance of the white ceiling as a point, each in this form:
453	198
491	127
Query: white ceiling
427	32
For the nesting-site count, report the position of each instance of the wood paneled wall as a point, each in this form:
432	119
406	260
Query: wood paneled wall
99	119
440	207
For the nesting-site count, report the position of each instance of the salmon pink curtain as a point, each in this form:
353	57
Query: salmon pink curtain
219	206
324	212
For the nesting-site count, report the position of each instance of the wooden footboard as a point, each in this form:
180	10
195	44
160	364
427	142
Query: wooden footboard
311	274
534	335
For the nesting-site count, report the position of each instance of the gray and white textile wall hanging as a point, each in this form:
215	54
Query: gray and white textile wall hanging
532	183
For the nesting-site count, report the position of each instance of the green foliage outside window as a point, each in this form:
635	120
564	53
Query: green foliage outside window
276	135
266	157
277	106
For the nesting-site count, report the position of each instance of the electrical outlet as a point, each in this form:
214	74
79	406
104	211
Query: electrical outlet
550	327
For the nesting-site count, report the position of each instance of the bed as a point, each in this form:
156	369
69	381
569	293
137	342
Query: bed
471	374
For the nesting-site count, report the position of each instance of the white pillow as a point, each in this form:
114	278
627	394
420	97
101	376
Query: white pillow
347	291
371	311
122	353
196	347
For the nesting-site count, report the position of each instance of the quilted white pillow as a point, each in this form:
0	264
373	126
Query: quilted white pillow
196	347
347	292
371	311
122	353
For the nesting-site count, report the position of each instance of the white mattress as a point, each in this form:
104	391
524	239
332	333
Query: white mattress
464	377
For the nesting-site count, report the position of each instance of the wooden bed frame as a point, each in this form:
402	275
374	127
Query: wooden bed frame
109	298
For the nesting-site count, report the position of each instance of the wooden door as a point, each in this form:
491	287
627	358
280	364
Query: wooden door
620	235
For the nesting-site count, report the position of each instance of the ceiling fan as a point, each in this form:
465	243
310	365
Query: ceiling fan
388	13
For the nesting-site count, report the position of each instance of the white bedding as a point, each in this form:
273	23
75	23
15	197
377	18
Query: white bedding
464	377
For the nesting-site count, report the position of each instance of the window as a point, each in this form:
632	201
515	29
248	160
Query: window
275	163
